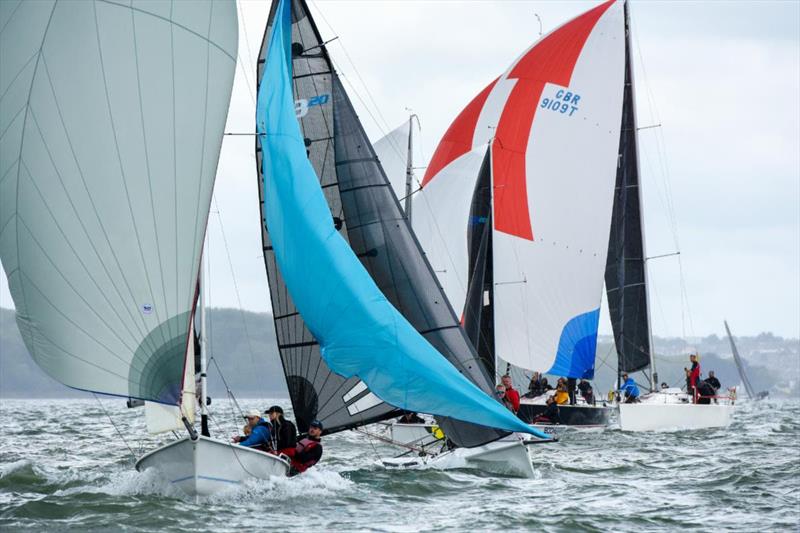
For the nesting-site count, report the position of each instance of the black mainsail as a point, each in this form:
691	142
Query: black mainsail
626	277
368	215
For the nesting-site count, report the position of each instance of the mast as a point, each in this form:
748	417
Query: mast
203	346
653	375
409	168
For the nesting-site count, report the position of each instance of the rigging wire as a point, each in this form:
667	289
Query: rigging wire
662	160
119	432
235	283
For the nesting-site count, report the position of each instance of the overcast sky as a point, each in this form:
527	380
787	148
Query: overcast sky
722	79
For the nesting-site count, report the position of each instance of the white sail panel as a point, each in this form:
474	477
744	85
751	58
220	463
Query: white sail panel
441	213
392	152
553	195
112	117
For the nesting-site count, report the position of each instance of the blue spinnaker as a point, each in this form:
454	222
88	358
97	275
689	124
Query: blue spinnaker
360	332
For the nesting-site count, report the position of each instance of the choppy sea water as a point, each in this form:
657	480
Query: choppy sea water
64	467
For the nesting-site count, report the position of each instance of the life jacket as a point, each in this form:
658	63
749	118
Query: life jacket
304	445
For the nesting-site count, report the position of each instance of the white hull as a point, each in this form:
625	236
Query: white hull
207	466
663	411
509	456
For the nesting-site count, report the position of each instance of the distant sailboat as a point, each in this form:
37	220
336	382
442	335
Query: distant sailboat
751	393
362	328
112	118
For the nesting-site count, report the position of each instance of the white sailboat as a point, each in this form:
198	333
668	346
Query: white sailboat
628	299
112	118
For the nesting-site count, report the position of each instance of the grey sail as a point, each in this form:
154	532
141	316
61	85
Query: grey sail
625	279
369	216
740	364
111	122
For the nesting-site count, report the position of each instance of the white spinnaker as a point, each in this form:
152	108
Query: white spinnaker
111	118
548	290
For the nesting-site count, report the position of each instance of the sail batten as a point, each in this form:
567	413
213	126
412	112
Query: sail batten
107	178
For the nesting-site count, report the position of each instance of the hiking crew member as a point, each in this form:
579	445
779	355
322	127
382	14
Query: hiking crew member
550	414
308	451
410	417
512	396
571	385
586	391
500	396
562	395
535	387
713	381
629	389
284	434
692	376
259	437
704	392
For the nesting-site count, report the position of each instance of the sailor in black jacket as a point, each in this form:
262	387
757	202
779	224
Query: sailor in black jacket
284	432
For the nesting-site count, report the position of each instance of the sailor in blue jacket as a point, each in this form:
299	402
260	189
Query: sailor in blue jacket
629	389
259	437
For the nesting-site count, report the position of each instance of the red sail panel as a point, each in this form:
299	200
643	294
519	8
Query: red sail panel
458	139
550	61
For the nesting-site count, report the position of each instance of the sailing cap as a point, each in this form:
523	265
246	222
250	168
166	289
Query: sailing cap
252	413
316	424
275	409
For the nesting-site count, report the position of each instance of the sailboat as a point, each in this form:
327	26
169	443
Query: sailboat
748	387
363	329
628	300
515	205
112	119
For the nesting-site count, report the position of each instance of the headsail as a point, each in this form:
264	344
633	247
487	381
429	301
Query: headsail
555	117
359	331
626	278
112	118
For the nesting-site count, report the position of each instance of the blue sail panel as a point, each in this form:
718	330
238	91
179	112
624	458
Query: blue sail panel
577	347
360	333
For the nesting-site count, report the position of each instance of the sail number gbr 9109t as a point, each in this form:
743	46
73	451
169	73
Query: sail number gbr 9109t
564	102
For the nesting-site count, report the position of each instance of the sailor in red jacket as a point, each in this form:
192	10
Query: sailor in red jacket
512	396
692	376
308	451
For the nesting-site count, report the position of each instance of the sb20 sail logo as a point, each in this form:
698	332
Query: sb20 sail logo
302	105
564	102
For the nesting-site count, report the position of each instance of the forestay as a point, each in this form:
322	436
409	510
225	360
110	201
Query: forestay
553	124
359	331
111	118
